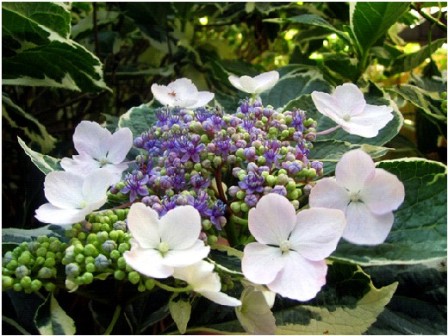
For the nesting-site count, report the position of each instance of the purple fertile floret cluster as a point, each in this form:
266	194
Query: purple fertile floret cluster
222	164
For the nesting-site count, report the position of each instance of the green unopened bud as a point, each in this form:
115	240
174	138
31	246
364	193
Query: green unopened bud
72	270
217	161
80	258
7	282
244	207
235	206
42	239
308	122
293	195
121	263
87	278
41	251
271	180
50	262
240	194
149	284
115	255
17	287
39	261
261	160
25	258
206	224
102	236
120	225
12	265
45	273
90	267
92	238
109	245
296	204
113	235
119	275
123	247
50	287
22	271
7	258
282	179
290	186
36	285
212	239
101	262
90	250
25	282
134	277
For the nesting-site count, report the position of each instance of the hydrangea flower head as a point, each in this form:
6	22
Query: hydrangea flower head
203	280
366	194
348	108
257	84
181	93
290	250
71	196
98	148
160	244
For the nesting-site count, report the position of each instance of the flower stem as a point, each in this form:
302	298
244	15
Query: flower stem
173	289
328	131
238	220
115	317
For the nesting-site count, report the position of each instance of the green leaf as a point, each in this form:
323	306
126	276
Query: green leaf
407	62
323	123
180	312
330	152
419	231
32	128
51	319
423	100
291	87
369	21
138	119
17	236
339	320
342	66
45	163
40	53
312	20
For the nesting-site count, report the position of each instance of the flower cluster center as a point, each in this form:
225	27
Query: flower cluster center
163	248
285	246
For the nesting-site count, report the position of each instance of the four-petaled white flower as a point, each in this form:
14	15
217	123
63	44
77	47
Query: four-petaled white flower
181	93
348	108
159	245
71	196
203	280
98	148
366	194
257	84
290	250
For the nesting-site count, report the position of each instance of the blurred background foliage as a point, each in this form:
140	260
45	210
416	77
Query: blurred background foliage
141	43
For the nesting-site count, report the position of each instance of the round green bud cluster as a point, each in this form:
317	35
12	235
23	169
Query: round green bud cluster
96	251
96	248
33	265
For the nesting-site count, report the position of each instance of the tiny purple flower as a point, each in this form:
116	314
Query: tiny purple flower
135	184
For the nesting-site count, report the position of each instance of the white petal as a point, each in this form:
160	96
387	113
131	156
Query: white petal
354	169
266	81
272	220
119	145
143	223
327	105
203	97
147	262
82	164
317	232
350	99
364	227
384	193
183	87
371	120
91	138
235	81
95	185
248	84
200	276
64	189
163	94
261	263
300	279
185	257
180	227
328	194
221	298
48	213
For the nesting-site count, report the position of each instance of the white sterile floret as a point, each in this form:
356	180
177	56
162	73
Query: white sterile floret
257	84
181	93
160	244
71	197
98	148
289	254
366	194
203	280
348	108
